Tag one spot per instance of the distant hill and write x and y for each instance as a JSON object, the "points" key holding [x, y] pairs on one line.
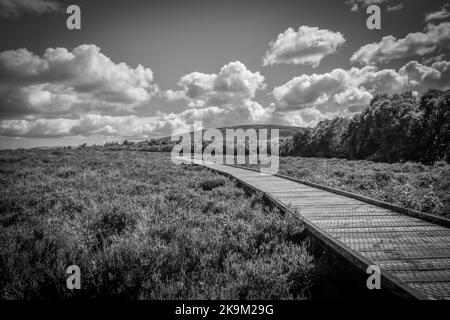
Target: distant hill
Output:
{"points": [[42, 148], [285, 131]]}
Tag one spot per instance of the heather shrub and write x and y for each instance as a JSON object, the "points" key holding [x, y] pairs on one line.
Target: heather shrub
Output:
{"points": [[140, 227]]}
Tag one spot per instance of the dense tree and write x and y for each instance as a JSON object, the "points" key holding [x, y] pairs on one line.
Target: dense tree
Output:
{"points": [[434, 130], [393, 128], [384, 130], [327, 138]]}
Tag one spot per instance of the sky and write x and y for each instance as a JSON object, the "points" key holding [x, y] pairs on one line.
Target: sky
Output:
{"points": [[142, 69]]}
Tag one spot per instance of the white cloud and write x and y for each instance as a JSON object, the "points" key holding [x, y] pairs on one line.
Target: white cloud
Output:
{"points": [[131, 126], [434, 40], [15, 8], [63, 81], [87, 125], [347, 91], [37, 128], [396, 7], [421, 77], [229, 93], [308, 46], [303, 101], [441, 14], [197, 87], [221, 99]]}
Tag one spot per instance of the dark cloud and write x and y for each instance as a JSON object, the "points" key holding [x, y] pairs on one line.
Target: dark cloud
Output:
{"points": [[16, 8]]}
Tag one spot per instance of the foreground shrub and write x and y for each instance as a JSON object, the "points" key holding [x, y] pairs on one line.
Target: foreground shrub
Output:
{"points": [[140, 227], [211, 183]]}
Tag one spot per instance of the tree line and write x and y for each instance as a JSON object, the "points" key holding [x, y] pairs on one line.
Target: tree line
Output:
{"points": [[393, 128]]}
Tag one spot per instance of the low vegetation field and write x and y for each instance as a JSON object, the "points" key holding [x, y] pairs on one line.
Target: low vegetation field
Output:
{"points": [[140, 227]]}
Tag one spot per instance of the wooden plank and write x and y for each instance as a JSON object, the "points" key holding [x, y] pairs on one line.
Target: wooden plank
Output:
{"points": [[435, 289], [331, 225], [319, 202], [380, 246], [438, 242], [339, 215], [425, 276], [303, 192], [415, 264], [403, 229], [322, 216], [318, 198], [302, 202], [295, 188], [443, 235], [404, 255], [362, 220], [348, 210], [274, 185]]}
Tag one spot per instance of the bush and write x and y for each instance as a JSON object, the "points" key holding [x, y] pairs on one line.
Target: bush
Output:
{"points": [[140, 227], [210, 183], [395, 128]]}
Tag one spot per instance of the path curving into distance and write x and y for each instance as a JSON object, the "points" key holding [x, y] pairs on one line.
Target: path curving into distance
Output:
{"points": [[412, 253]]}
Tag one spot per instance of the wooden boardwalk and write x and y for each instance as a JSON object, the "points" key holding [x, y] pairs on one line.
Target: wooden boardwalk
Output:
{"points": [[413, 254]]}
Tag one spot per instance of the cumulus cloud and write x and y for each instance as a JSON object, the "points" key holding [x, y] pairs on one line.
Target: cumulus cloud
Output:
{"points": [[441, 14], [347, 91], [228, 94], [307, 46], [434, 40], [217, 100], [36, 128], [92, 124], [227, 98], [15, 8], [130, 126], [62, 81]]}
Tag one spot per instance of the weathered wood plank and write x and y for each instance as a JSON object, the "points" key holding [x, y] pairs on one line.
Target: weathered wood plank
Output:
{"points": [[392, 219], [436, 242], [414, 264], [437, 290], [427, 276], [406, 255], [380, 246], [352, 224], [391, 229], [347, 210], [398, 234]]}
